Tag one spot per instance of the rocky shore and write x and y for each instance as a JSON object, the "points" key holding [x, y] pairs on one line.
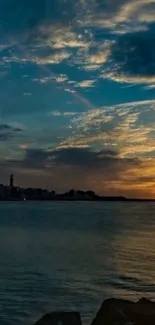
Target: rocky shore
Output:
{"points": [[111, 312]]}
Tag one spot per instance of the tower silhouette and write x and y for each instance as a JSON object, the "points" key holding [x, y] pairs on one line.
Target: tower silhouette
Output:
{"points": [[11, 181]]}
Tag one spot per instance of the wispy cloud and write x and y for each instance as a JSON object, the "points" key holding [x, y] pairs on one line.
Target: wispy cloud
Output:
{"points": [[121, 126], [68, 90], [118, 16], [150, 87], [60, 113], [54, 58], [62, 37], [60, 78], [85, 84], [85, 41]]}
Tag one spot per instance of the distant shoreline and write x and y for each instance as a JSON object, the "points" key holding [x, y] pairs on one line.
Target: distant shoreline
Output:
{"points": [[61, 199], [13, 193]]}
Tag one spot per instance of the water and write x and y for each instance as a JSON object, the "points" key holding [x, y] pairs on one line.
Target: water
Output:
{"points": [[71, 256]]}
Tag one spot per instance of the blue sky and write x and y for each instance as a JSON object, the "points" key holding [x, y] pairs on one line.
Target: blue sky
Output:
{"points": [[77, 84]]}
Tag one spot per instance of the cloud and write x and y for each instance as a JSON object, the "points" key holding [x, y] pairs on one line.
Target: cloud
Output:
{"points": [[85, 84], [118, 17], [73, 145], [54, 58], [131, 59], [62, 37], [70, 113], [61, 78], [94, 118], [60, 113], [82, 40], [150, 87], [141, 11], [83, 157], [70, 27], [7, 132], [84, 168], [24, 146], [91, 67], [43, 80], [70, 90], [128, 127], [55, 113], [101, 170], [44, 19], [102, 55]]}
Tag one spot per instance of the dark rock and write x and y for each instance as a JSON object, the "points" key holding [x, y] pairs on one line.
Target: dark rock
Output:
{"points": [[142, 312], [124, 312], [60, 318], [112, 312], [145, 301]]}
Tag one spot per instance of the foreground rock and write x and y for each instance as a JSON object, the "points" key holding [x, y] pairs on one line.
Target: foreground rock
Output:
{"points": [[112, 312], [124, 312], [60, 318]]}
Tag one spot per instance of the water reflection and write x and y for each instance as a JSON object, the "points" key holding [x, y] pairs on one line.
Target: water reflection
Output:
{"points": [[72, 256], [134, 262]]}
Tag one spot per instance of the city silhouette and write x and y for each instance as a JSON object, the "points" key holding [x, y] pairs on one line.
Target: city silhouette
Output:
{"points": [[11, 192]]}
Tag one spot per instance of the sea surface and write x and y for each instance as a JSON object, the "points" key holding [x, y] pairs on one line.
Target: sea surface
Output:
{"points": [[72, 255]]}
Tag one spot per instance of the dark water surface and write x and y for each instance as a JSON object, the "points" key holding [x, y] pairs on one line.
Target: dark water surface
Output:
{"points": [[71, 256]]}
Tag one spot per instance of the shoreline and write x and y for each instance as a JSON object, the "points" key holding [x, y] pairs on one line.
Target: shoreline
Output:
{"points": [[105, 199]]}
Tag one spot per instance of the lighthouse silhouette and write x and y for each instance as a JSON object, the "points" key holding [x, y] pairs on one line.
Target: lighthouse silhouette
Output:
{"points": [[11, 181]]}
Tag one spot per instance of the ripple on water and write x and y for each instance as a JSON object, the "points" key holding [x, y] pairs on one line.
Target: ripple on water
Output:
{"points": [[72, 256]]}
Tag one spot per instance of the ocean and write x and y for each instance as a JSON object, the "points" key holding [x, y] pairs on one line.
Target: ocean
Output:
{"points": [[72, 256]]}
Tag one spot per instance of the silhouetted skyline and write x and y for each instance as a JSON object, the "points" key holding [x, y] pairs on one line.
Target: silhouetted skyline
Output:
{"points": [[12, 192]]}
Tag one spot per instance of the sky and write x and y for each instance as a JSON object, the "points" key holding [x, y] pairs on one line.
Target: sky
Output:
{"points": [[77, 86]]}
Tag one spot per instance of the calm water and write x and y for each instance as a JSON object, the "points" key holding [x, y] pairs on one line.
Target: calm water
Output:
{"points": [[72, 256]]}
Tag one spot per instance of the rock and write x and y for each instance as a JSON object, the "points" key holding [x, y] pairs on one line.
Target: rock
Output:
{"points": [[142, 312], [111, 312], [124, 312], [60, 318], [146, 301]]}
